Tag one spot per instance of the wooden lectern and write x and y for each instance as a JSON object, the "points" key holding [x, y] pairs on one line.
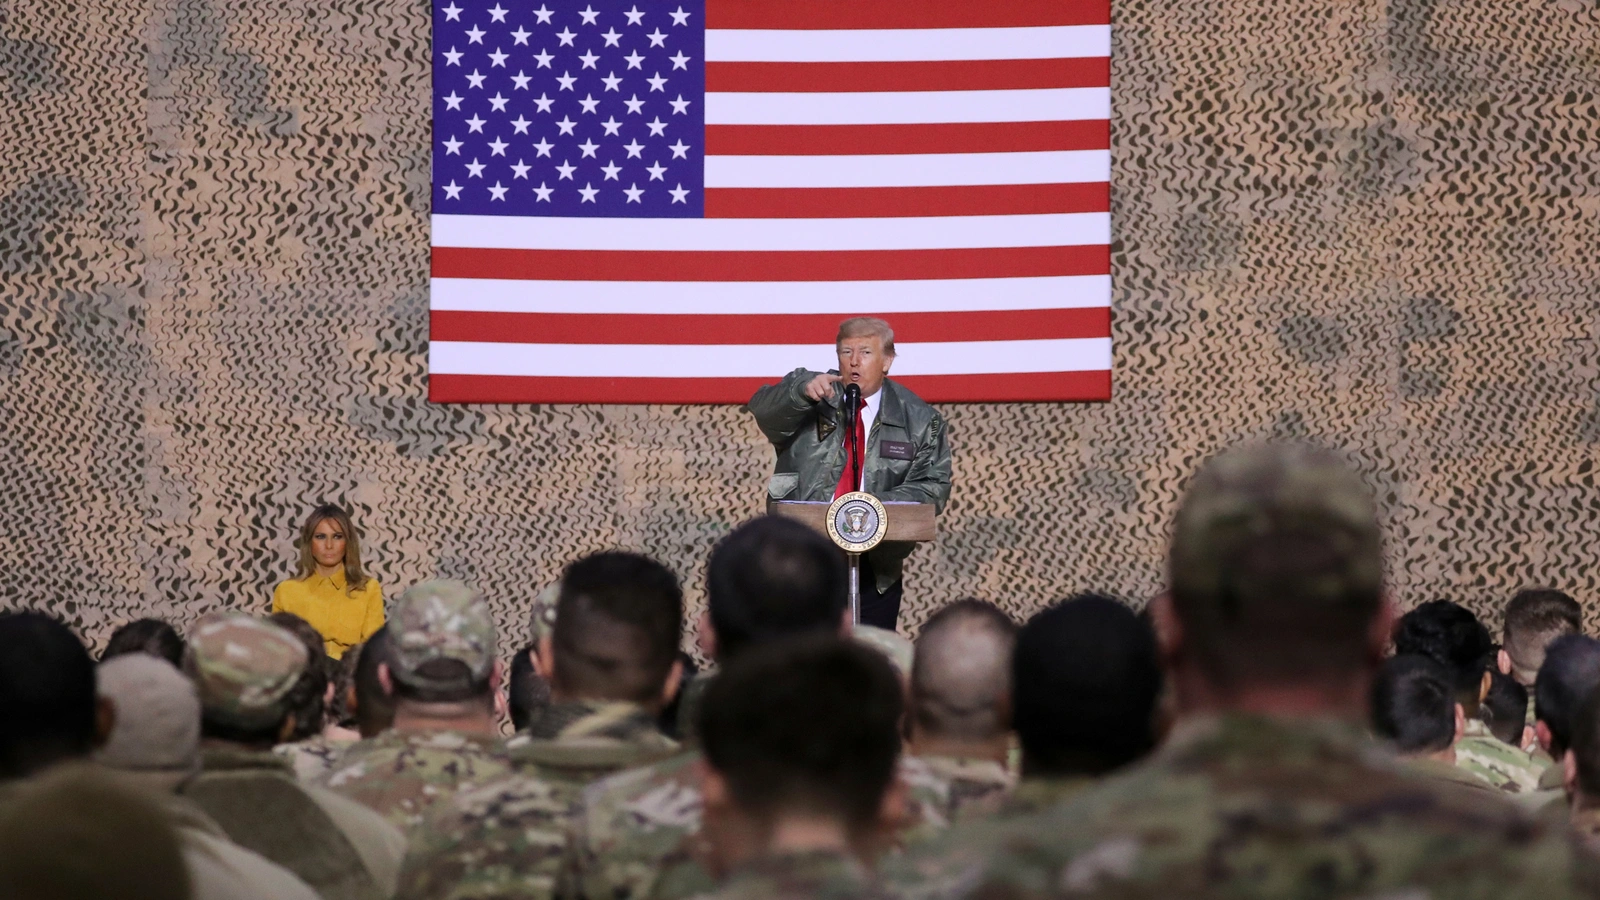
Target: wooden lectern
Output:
{"points": [[902, 521]]}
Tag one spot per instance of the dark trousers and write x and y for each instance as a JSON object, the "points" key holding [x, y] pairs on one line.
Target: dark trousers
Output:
{"points": [[878, 609]]}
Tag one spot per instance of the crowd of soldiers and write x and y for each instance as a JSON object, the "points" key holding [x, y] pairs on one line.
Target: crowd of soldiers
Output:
{"points": [[1267, 727]]}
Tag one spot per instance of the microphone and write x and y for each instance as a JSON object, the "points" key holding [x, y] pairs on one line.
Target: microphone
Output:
{"points": [[852, 407], [852, 399]]}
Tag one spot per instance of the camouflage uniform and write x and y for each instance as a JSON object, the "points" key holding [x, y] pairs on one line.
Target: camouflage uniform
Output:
{"points": [[1586, 823], [638, 833], [1035, 795], [313, 758], [823, 875], [400, 773], [1247, 806], [947, 789], [507, 838], [244, 670], [1511, 769]]}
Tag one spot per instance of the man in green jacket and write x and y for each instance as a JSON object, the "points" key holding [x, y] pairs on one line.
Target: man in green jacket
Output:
{"points": [[903, 449]]}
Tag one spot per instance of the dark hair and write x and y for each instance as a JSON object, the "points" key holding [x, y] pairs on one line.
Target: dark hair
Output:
{"points": [[810, 725], [1086, 681], [1571, 670], [342, 673], [374, 706], [1452, 636], [1413, 704], [308, 698], [961, 672], [1586, 746], [1505, 708], [47, 696], [1533, 619], [619, 618], [149, 636], [528, 692], [772, 578], [670, 721]]}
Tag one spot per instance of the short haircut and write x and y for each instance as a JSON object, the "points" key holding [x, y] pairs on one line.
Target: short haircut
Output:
{"points": [[310, 694], [619, 619], [1533, 619], [343, 676], [772, 578], [1570, 672], [1086, 679], [528, 693], [1586, 746], [1276, 567], [47, 694], [1452, 636], [809, 726], [374, 705], [78, 834], [867, 326], [961, 672], [149, 636], [1413, 704], [1504, 710]]}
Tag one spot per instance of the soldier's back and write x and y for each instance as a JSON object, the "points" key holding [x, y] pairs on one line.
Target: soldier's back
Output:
{"points": [[401, 773], [1255, 807], [815, 875]]}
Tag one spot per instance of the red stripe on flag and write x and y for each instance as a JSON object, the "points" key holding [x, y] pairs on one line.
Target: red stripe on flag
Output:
{"points": [[839, 265], [856, 140], [1026, 387], [963, 75], [966, 200], [813, 14], [929, 327]]}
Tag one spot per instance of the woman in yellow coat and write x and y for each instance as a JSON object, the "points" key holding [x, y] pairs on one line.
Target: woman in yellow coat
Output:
{"points": [[330, 591]]}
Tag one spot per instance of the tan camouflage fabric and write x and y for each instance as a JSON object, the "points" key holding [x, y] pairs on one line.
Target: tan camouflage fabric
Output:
{"points": [[948, 789], [1511, 769], [313, 758], [507, 837], [1251, 807], [1035, 795], [638, 833], [441, 620], [244, 668], [824, 875], [1448, 773], [400, 774]]}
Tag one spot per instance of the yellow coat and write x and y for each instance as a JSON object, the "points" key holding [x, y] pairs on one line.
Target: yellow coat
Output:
{"points": [[343, 619]]}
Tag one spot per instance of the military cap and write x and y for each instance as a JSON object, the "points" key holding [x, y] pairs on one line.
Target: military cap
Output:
{"points": [[244, 668], [1258, 491], [441, 620]]}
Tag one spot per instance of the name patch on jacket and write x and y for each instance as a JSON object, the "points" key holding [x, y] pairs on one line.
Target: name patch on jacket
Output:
{"points": [[897, 450]]}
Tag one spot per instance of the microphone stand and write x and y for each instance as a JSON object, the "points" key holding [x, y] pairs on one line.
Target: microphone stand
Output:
{"points": [[853, 451]]}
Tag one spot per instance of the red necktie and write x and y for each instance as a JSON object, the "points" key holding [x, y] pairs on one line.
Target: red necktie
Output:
{"points": [[853, 451]]}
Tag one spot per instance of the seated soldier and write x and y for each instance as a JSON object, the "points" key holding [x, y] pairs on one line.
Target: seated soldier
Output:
{"points": [[76, 834], [1571, 671], [1504, 712], [961, 709], [528, 692], [149, 636], [1533, 619], [1415, 710], [638, 832], [443, 676], [1581, 770], [47, 701], [374, 704], [612, 663], [798, 775], [1268, 785], [251, 676], [154, 745], [1087, 684], [306, 749]]}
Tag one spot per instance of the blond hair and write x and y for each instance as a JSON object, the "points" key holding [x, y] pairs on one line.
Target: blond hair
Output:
{"points": [[866, 326], [354, 578]]}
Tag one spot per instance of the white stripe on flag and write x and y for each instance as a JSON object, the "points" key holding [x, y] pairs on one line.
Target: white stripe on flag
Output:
{"points": [[909, 107], [908, 44], [733, 298], [908, 170], [757, 360], [907, 233]]}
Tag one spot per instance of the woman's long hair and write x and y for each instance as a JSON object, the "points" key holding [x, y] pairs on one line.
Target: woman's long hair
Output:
{"points": [[354, 578]]}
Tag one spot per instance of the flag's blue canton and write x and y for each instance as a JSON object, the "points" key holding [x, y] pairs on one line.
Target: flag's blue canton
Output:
{"points": [[556, 108]]}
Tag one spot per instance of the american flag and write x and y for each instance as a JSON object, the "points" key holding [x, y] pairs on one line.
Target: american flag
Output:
{"points": [[676, 201]]}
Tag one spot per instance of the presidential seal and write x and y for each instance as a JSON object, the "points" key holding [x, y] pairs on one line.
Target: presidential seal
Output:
{"points": [[857, 522]]}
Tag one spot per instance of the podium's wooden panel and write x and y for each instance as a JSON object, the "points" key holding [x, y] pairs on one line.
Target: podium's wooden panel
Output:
{"points": [[907, 521]]}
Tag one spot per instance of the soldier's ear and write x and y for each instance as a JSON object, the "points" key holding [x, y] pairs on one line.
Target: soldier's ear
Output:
{"points": [[714, 793], [1542, 732], [1461, 724], [1169, 631], [1569, 772], [544, 657], [706, 636], [1483, 686], [385, 679], [1381, 633], [669, 688], [1503, 660], [894, 809], [105, 720], [287, 728]]}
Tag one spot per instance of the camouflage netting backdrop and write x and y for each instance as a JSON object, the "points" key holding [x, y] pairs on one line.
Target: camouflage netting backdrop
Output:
{"points": [[1370, 222]]}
